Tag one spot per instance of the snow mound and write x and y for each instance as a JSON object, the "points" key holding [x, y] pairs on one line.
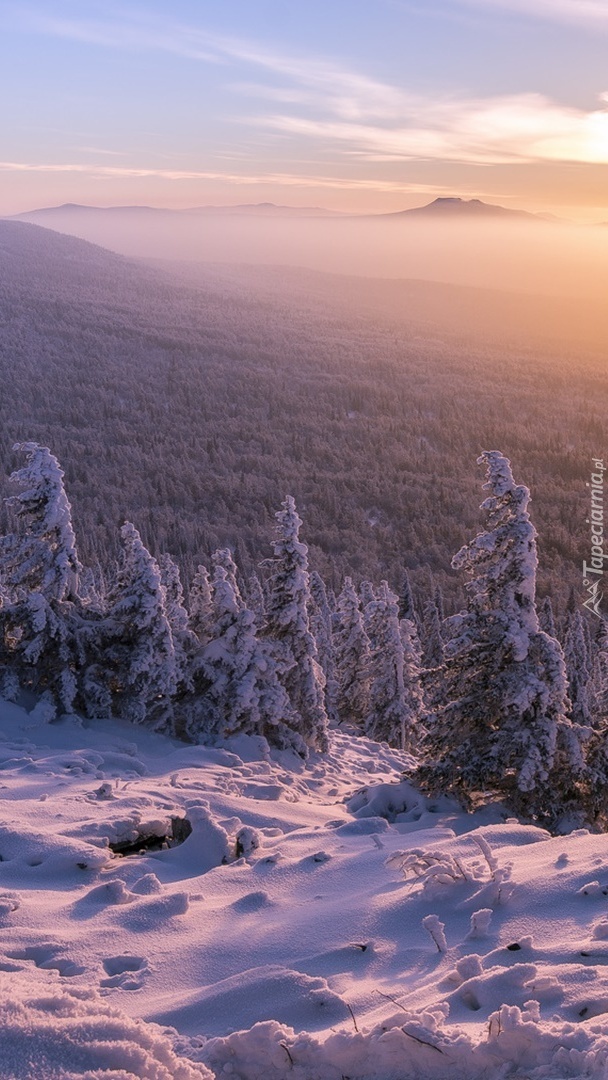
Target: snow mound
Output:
{"points": [[70, 1034], [516, 1045], [260, 994], [348, 928]]}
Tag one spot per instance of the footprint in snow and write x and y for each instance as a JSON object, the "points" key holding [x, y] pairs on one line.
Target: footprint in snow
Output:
{"points": [[124, 972], [319, 857], [45, 959], [589, 1009], [9, 902]]}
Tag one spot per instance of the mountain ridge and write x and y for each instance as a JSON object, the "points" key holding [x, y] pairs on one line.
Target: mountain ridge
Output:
{"points": [[446, 207]]}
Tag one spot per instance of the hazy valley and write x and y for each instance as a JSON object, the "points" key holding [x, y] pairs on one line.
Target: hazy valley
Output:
{"points": [[192, 398]]}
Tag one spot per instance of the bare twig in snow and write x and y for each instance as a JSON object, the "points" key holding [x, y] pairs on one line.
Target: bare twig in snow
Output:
{"points": [[286, 1049], [353, 1016]]}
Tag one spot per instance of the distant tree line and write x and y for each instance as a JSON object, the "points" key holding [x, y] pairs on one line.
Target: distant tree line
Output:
{"points": [[487, 700]]}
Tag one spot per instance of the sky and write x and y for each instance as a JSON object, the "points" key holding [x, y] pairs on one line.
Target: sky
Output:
{"points": [[359, 106]]}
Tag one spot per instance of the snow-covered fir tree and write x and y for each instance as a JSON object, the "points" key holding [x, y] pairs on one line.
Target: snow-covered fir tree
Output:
{"points": [[236, 686], [546, 617], [41, 637], [92, 588], [431, 638], [320, 615], [407, 609], [223, 557], [288, 626], [42, 557], [139, 650], [504, 727], [367, 594], [395, 699], [200, 607], [432, 655], [439, 604], [185, 641], [596, 779], [352, 653], [412, 678], [255, 599], [599, 675], [578, 668], [174, 596]]}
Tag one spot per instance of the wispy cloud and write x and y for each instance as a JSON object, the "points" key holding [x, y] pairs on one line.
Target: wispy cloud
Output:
{"points": [[248, 180], [100, 150], [363, 117], [349, 94], [583, 12], [502, 130]]}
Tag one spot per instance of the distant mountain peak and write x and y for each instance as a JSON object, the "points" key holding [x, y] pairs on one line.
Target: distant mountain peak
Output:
{"points": [[456, 207]]}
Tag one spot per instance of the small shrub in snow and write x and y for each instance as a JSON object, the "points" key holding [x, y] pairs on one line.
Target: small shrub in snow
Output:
{"points": [[440, 869], [248, 840], [480, 924], [429, 867], [436, 929]]}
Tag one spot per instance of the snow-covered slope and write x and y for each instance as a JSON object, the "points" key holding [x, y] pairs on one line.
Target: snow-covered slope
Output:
{"points": [[319, 921]]}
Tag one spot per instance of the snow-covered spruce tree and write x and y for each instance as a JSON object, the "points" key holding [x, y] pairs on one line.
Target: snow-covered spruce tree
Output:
{"points": [[139, 651], [174, 596], [185, 641], [288, 627], [42, 558], [504, 730], [223, 557], [599, 675], [200, 607], [92, 588], [367, 594], [395, 700], [578, 668], [432, 655], [41, 613], [596, 794], [235, 681], [546, 618], [407, 608], [432, 638], [321, 628], [352, 654], [255, 599], [439, 604]]}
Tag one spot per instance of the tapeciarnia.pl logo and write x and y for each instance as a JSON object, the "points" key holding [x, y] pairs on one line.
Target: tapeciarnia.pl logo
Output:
{"points": [[593, 571]]}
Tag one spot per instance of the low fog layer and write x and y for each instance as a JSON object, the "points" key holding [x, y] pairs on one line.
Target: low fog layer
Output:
{"points": [[537, 257]]}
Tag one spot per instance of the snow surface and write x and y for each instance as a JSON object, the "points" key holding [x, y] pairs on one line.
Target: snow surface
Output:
{"points": [[365, 932]]}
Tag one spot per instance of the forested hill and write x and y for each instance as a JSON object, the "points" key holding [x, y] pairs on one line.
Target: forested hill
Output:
{"points": [[192, 405]]}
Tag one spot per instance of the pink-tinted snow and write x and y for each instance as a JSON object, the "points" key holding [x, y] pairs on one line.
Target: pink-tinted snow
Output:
{"points": [[364, 933]]}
